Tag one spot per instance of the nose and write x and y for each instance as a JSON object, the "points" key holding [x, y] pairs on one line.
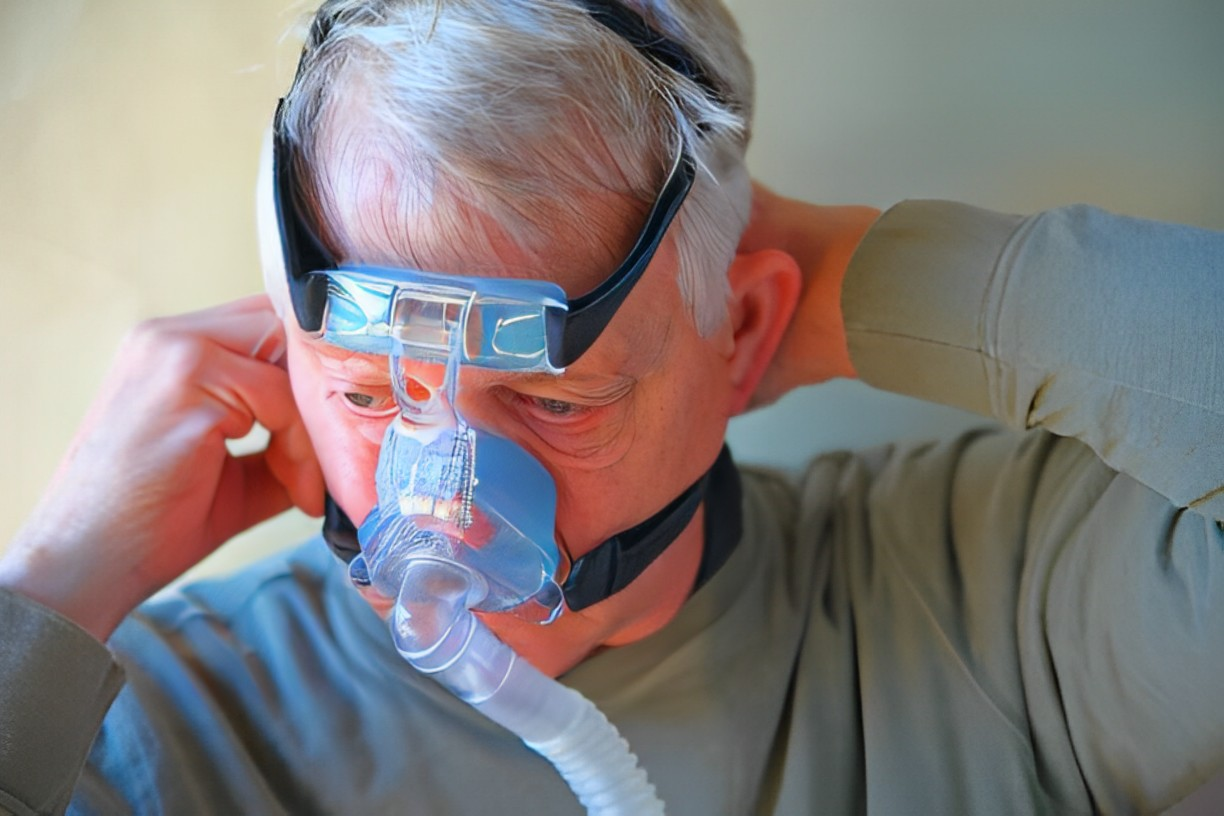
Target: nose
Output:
{"points": [[416, 390], [421, 389]]}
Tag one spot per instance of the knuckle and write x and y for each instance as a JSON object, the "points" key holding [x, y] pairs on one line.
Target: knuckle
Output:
{"points": [[149, 331], [147, 338], [158, 343], [184, 355]]}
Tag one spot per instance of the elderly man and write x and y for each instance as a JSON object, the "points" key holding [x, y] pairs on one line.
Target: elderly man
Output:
{"points": [[1008, 622]]}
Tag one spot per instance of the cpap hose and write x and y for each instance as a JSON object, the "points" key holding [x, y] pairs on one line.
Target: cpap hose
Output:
{"points": [[436, 631]]}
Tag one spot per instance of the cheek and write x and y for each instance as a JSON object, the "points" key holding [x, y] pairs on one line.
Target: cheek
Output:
{"points": [[671, 437], [692, 409], [346, 445]]}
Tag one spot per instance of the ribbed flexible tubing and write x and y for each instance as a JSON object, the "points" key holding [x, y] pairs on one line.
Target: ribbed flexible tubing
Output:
{"points": [[436, 631]]}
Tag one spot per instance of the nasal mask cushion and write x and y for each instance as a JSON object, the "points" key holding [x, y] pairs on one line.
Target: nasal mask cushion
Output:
{"points": [[447, 490]]}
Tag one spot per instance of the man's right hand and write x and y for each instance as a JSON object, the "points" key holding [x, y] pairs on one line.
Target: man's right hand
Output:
{"points": [[821, 239], [148, 487]]}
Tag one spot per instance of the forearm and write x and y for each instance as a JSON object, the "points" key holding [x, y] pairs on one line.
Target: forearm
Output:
{"points": [[821, 239], [54, 574], [1090, 325]]}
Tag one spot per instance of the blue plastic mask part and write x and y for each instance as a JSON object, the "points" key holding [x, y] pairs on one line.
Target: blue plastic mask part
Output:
{"points": [[423, 320], [508, 325], [464, 522], [452, 492]]}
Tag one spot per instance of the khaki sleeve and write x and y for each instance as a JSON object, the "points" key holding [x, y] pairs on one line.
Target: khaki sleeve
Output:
{"points": [[1090, 325], [56, 684], [1091, 574]]}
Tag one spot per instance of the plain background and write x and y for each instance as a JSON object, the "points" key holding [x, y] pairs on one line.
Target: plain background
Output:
{"points": [[129, 132]]}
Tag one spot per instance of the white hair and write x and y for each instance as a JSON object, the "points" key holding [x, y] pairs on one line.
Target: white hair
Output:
{"points": [[503, 119]]}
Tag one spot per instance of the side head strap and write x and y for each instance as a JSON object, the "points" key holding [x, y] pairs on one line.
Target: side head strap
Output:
{"points": [[617, 562]]}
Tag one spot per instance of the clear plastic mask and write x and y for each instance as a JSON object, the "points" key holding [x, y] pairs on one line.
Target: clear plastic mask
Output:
{"points": [[447, 490], [508, 325]]}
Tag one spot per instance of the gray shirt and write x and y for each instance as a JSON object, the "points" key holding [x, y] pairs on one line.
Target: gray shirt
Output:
{"points": [[1008, 622]]}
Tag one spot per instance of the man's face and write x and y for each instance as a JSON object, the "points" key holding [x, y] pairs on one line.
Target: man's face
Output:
{"points": [[623, 431]]}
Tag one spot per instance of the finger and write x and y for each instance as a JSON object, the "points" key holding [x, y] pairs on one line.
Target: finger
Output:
{"points": [[292, 459], [249, 327], [258, 334], [252, 391], [248, 493], [181, 386], [245, 305]]}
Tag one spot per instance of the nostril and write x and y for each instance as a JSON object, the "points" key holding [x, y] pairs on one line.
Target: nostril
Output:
{"points": [[416, 390]]}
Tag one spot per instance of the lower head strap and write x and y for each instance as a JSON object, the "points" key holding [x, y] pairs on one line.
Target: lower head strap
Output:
{"points": [[617, 562], [614, 564]]}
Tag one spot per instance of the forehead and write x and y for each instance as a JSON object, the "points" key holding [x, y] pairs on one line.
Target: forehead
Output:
{"points": [[387, 205]]}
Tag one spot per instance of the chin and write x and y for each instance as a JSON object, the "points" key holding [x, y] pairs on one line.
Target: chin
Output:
{"points": [[553, 648]]}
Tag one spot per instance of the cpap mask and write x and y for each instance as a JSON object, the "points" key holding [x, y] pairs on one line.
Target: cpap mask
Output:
{"points": [[446, 490]]}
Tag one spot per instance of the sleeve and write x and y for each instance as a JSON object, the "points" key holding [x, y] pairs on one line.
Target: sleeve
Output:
{"points": [[1089, 325], [56, 684], [1078, 581]]}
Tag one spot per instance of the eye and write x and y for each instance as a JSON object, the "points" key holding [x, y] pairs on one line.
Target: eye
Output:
{"points": [[551, 411], [365, 403], [556, 407], [360, 400]]}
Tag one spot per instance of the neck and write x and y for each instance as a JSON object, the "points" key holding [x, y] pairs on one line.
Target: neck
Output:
{"points": [[636, 612]]}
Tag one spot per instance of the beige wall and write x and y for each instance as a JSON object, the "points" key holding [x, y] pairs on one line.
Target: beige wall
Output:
{"points": [[1018, 105], [129, 132]]}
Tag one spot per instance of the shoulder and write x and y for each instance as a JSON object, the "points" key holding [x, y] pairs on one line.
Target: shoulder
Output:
{"points": [[297, 572], [987, 486], [289, 607]]}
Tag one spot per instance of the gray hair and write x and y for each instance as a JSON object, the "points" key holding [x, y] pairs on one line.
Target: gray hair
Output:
{"points": [[505, 118]]}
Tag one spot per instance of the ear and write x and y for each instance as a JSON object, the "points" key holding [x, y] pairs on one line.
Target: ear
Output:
{"points": [[765, 287]]}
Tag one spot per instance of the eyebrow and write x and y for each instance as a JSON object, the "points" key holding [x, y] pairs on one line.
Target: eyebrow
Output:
{"points": [[350, 363], [355, 364], [536, 377], [595, 384]]}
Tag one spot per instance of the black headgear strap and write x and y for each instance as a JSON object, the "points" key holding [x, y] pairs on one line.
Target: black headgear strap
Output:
{"points": [[631, 27]]}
